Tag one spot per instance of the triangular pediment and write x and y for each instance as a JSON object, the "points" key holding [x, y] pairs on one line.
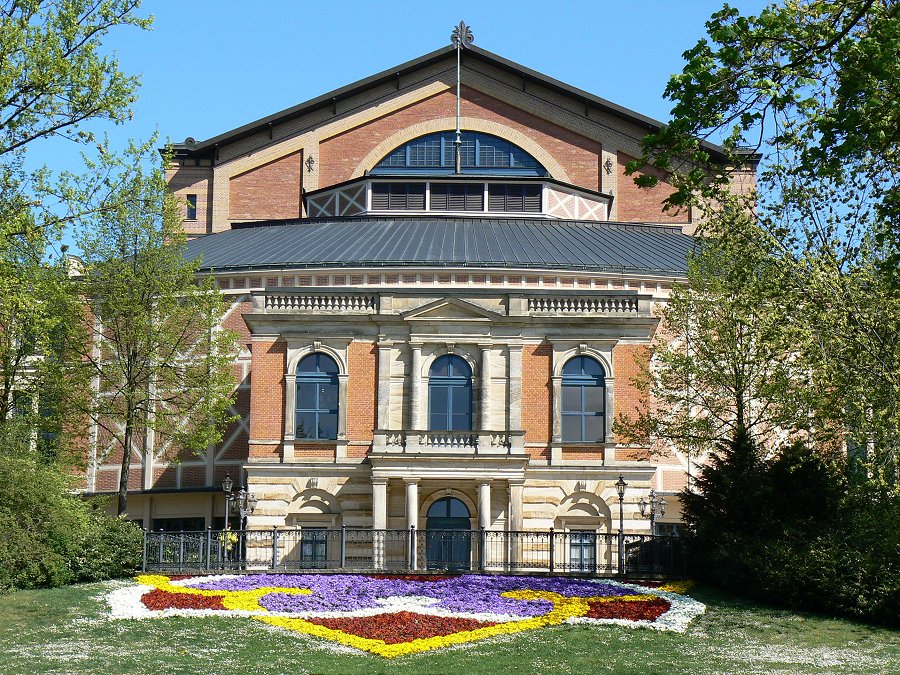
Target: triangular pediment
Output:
{"points": [[450, 309]]}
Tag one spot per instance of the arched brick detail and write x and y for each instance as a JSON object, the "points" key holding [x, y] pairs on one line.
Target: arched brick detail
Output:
{"points": [[503, 131]]}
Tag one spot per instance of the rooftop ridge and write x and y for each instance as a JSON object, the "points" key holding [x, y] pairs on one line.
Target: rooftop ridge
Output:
{"points": [[601, 224]]}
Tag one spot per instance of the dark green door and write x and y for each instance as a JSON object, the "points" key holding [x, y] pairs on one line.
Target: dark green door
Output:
{"points": [[447, 543]]}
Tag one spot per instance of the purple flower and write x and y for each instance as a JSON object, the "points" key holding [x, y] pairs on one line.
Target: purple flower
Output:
{"points": [[464, 593]]}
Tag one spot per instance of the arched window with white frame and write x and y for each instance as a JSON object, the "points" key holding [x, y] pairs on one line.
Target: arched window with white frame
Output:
{"points": [[317, 402], [583, 401]]}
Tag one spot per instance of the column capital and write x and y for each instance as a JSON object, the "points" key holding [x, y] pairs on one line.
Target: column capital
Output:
{"points": [[484, 346], [379, 481], [411, 481], [515, 482]]}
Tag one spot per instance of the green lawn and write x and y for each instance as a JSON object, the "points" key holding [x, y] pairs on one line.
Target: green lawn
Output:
{"points": [[65, 630]]}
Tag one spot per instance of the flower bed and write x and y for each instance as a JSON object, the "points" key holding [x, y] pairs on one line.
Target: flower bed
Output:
{"points": [[394, 615]]}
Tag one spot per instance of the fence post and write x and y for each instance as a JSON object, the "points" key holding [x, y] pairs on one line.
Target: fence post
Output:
{"points": [[621, 553], [551, 551], [144, 566], [413, 558], [180, 550], [159, 559], [208, 546], [482, 547], [343, 546], [274, 547]]}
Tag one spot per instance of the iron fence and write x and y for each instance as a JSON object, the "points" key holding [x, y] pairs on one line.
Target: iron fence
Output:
{"points": [[359, 549]]}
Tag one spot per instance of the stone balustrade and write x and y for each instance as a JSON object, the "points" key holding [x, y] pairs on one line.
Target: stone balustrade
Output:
{"points": [[591, 304], [466, 442], [349, 303]]}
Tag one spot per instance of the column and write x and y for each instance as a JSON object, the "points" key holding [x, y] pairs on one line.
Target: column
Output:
{"points": [[515, 521], [379, 503], [517, 438], [485, 387], [556, 437], [412, 503], [484, 504], [415, 386], [379, 520], [412, 520], [384, 384], [516, 488]]}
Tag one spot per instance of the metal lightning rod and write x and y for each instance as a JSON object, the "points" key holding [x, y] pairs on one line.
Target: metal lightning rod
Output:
{"points": [[461, 38]]}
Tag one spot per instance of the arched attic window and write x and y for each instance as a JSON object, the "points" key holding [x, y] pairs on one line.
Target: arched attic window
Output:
{"points": [[583, 401], [482, 154]]}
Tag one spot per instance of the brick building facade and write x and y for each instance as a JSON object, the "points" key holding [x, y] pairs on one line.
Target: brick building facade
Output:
{"points": [[412, 335]]}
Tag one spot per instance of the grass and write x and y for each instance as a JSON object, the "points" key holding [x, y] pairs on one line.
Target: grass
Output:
{"points": [[65, 630]]}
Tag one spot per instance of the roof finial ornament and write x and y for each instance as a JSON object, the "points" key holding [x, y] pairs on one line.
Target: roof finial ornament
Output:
{"points": [[461, 38]]}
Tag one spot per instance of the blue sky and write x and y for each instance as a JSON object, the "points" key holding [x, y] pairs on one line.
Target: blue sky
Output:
{"points": [[210, 66]]}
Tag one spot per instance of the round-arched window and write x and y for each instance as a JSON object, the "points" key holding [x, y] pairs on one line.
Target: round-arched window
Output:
{"points": [[480, 153], [583, 401], [316, 413], [450, 394]]}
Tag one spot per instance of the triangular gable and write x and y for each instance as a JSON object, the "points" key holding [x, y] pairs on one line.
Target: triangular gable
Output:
{"points": [[333, 98], [450, 309]]}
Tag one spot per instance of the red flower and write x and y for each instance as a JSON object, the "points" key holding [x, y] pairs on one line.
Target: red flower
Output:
{"points": [[158, 599], [401, 626], [637, 610]]}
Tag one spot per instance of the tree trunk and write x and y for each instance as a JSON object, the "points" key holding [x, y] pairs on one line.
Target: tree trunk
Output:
{"points": [[126, 466]]}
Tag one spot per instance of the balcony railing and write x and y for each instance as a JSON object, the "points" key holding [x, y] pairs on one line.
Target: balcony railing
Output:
{"points": [[368, 550], [485, 442]]}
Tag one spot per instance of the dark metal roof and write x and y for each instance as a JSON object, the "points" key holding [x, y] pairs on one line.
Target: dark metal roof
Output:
{"points": [[207, 147], [536, 243]]}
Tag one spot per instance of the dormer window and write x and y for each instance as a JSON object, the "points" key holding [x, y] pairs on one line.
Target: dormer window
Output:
{"points": [[481, 154]]}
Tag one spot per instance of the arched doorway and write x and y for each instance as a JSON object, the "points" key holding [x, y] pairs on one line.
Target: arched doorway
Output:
{"points": [[447, 543]]}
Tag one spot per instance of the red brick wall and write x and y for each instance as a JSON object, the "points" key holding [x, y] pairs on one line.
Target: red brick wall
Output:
{"points": [[579, 156], [195, 476], [185, 180], [362, 390], [538, 453], [268, 191], [633, 454], [627, 361], [235, 322], [581, 453], [641, 205], [267, 396], [537, 392], [358, 451], [316, 450], [674, 481], [164, 477]]}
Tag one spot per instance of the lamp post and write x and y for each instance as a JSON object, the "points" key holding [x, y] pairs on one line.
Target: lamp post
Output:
{"points": [[653, 509], [245, 501], [620, 490]]}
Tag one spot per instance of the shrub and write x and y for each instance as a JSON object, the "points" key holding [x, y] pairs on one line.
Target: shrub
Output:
{"points": [[50, 536], [790, 529]]}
